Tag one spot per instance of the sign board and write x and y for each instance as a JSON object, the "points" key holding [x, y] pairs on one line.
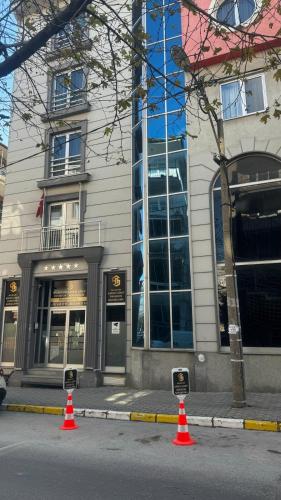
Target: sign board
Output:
{"points": [[70, 378], [233, 329], [115, 327], [12, 291], [180, 382], [116, 287], [69, 293]]}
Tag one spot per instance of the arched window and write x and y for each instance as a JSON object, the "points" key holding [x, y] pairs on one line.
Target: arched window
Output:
{"points": [[255, 187], [235, 12]]}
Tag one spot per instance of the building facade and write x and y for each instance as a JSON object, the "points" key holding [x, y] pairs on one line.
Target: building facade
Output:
{"points": [[121, 273]]}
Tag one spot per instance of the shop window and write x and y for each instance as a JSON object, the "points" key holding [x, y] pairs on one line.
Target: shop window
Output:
{"points": [[68, 89], [160, 330], [243, 97]]}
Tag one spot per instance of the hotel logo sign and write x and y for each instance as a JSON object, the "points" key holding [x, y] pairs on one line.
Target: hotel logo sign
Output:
{"points": [[12, 293], [116, 288]]}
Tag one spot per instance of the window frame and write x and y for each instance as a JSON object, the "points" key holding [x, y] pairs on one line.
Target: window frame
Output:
{"points": [[242, 95], [69, 93]]}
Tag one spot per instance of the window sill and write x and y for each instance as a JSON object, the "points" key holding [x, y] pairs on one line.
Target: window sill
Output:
{"points": [[64, 180], [254, 113], [68, 111]]}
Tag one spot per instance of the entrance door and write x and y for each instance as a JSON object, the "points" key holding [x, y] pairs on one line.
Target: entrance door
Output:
{"points": [[66, 337]]}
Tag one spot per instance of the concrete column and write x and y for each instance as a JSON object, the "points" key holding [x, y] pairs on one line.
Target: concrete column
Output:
{"points": [[24, 314], [91, 347]]}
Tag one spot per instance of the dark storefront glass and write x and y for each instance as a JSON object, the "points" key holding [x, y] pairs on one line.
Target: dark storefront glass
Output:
{"points": [[158, 265], [178, 215], [182, 320], [137, 221], [180, 270], [158, 217], [138, 261], [157, 175], [138, 320], [218, 226], [160, 332], [177, 169]]}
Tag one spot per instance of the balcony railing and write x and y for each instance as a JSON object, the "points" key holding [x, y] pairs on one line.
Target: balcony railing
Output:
{"points": [[62, 237], [68, 99], [65, 166]]}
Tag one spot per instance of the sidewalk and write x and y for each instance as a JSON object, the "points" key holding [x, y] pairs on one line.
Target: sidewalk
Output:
{"points": [[211, 404]]}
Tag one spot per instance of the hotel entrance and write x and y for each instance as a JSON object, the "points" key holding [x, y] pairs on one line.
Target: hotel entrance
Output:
{"points": [[61, 323]]}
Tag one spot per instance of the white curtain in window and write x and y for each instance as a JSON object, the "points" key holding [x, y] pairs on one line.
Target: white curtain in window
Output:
{"points": [[254, 95], [231, 100]]}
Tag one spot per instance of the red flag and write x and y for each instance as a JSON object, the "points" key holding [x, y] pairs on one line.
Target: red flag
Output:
{"points": [[40, 207]]}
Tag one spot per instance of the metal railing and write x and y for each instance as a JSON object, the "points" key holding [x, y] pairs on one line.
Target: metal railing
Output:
{"points": [[65, 166], [68, 99], [47, 238]]}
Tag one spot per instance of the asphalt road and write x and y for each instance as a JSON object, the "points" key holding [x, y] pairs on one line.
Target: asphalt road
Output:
{"points": [[105, 460]]}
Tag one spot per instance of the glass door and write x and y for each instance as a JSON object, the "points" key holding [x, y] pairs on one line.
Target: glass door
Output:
{"points": [[57, 337], [9, 336], [76, 334]]}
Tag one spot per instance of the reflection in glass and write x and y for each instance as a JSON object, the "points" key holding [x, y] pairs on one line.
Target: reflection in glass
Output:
{"points": [[175, 93], [137, 182], [158, 265], [154, 25], [156, 59], [157, 217], [177, 172], [41, 337], [136, 110], [157, 175], [180, 270], [182, 320], [156, 135], [9, 336], [171, 66], [138, 276], [137, 222], [57, 337], [137, 143], [176, 131], [160, 332], [156, 97], [75, 341], [138, 320], [178, 215]]}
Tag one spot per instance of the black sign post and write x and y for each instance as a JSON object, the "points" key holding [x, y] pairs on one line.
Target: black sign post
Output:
{"points": [[180, 382], [70, 379]]}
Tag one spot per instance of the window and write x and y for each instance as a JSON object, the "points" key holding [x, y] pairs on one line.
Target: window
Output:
{"points": [[63, 226], [235, 12], [243, 97], [68, 89], [74, 32], [66, 154]]}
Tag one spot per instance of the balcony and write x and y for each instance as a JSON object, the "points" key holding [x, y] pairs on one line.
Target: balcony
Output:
{"points": [[48, 238]]}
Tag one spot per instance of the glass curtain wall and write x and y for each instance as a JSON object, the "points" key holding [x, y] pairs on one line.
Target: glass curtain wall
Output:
{"points": [[160, 232]]}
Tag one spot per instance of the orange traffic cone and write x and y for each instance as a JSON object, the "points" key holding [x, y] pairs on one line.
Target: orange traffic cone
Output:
{"points": [[69, 422], [183, 437]]}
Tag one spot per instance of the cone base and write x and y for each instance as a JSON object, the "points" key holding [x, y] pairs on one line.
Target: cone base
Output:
{"points": [[72, 428], [189, 441]]}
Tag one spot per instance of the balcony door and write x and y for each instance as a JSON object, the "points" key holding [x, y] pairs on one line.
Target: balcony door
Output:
{"points": [[63, 226], [66, 337]]}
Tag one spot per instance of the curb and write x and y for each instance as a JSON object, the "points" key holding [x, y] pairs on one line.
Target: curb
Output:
{"points": [[230, 423]]}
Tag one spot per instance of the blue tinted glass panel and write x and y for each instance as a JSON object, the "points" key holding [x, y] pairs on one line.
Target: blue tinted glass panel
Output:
{"points": [[172, 21], [177, 169], [137, 143], [171, 66], [137, 72], [138, 277], [74, 144], [59, 146], [246, 9], [157, 175], [182, 320], [153, 4], [61, 84], [77, 79], [156, 97], [137, 222], [160, 330], [176, 131], [136, 110], [137, 182], [226, 13], [175, 93], [156, 135], [158, 265], [218, 226], [138, 320], [154, 25], [157, 217], [178, 215], [155, 54], [231, 100], [180, 269]]}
